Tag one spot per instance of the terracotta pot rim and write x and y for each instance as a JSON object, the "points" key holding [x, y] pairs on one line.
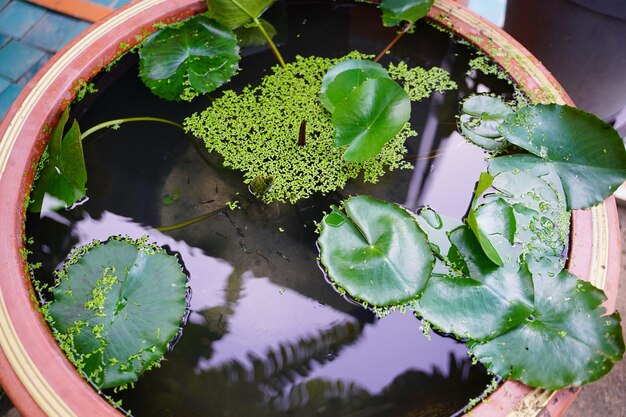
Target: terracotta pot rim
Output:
{"points": [[33, 370]]}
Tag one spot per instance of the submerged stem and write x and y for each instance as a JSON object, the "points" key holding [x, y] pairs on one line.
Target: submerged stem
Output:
{"points": [[394, 41], [270, 42], [191, 221]]}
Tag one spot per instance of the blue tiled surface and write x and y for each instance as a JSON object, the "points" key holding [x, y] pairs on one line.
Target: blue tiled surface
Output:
{"points": [[18, 17], [8, 96], [53, 31], [29, 35], [4, 83], [16, 58]]}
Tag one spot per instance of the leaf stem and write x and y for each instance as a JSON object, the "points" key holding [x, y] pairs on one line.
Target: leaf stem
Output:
{"points": [[394, 41], [191, 221], [117, 122], [270, 42]]}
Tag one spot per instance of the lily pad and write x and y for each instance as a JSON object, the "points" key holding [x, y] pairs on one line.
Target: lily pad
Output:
{"points": [[64, 177], [566, 341], [481, 115], [235, 13], [396, 11], [586, 152], [343, 78], [116, 308], [370, 117], [195, 58], [479, 303], [375, 251]]}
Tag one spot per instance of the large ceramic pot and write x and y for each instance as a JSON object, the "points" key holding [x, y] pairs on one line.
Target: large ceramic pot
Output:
{"points": [[34, 371]]}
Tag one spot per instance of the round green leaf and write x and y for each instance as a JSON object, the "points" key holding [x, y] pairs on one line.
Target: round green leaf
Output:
{"points": [[234, 13], [370, 117], [251, 35], [586, 152], [483, 302], [116, 308], [566, 341], [197, 57], [341, 80], [378, 253], [396, 11], [480, 117]]}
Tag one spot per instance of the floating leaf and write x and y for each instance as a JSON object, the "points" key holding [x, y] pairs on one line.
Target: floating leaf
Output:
{"points": [[251, 35], [375, 251], [567, 341], [481, 302], [370, 117], [586, 152], [64, 176], [480, 117], [234, 13], [343, 78], [396, 11], [197, 57], [116, 308]]}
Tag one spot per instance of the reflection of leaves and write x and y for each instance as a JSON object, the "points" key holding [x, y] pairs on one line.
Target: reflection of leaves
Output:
{"points": [[117, 307], [64, 176], [199, 56], [586, 152]]}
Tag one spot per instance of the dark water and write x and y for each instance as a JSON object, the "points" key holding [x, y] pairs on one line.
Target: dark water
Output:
{"points": [[267, 335]]}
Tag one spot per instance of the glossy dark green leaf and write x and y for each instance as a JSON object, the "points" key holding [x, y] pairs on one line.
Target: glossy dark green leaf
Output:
{"points": [[437, 227], [376, 252], [480, 117], [566, 341], [62, 181], [197, 57], [341, 80], [586, 152], [396, 11], [370, 117], [117, 307], [234, 13], [491, 222], [481, 303], [251, 35]]}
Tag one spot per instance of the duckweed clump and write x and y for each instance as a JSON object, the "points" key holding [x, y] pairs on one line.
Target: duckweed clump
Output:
{"points": [[258, 130]]}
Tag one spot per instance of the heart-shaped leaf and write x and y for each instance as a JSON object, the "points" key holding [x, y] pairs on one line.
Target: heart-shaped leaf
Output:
{"points": [[370, 117], [375, 251], [566, 341], [479, 303], [341, 80], [64, 176], [396, 11], [586, 152], [234, 13], [481, 115], [116, 308], [195, 58]]}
